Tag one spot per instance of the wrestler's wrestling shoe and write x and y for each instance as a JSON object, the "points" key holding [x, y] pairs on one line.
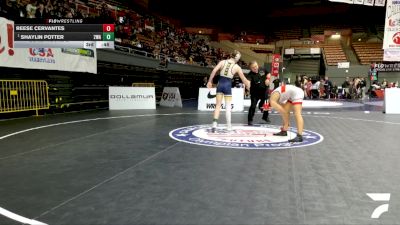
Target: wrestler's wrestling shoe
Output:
{"points": [[214, 127], [298, 138], [281, 133]]}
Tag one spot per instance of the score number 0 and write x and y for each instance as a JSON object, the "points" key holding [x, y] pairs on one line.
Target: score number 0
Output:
{"points": [[108, 32], [108, 27]]}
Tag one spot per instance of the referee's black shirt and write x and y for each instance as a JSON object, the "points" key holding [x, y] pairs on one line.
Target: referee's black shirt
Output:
{"points": [[257, 82]]}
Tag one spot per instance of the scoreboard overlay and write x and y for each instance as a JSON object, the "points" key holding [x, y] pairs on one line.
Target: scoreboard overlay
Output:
{"points": [[64, 33]]}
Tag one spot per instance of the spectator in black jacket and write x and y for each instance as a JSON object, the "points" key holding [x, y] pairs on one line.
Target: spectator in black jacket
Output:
{"points": [[41, 11]]}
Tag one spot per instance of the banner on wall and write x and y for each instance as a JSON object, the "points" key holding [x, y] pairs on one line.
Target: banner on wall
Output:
{"points": [[387, 67], [391, 55], [380, 2], [123, 98], [343, 64], [65, 59], [275, 65], [369, 2], [207, 100], [343, 1], [289, 51], [362, 2], [391, 38]]}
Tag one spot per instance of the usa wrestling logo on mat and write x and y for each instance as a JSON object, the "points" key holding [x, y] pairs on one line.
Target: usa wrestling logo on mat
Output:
{"points": [[243, 137]]}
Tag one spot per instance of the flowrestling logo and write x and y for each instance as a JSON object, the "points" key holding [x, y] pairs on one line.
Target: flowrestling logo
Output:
{"points": [[243, 137]]}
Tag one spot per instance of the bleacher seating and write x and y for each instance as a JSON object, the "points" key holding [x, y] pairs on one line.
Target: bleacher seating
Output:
{"points": [[380, 28], [320, 28], [333, 51], [358, 29], [309, 67], [289, 33], [368, 52], [334, 54]]}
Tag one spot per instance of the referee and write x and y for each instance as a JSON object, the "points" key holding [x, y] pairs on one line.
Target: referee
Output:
{"points": [[258, 92]]}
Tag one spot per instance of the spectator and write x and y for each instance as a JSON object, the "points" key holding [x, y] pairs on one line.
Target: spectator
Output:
{"points": [[346, 88], [315, 89], [375, 86], [49, 7], [363, 85], [41, 11], [321, 89], [69, 15], [31, 9], [384, 84], [328, 87], [334, 91], [16, 10], [204, 83], [298, 82]]}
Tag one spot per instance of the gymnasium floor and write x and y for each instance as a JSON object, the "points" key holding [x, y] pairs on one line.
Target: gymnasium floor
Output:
{"points": [[123, 167]]}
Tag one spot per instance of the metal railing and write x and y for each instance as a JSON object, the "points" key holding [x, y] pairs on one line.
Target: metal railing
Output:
{"points": [[23, 95], [148, 54], [137, 52], [143, 85]]}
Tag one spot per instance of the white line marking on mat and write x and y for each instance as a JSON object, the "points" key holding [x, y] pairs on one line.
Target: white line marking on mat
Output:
{"points": [[65, 142], [24, 220], [19, 218], [108, 179], [34, 222], [89, 120]]}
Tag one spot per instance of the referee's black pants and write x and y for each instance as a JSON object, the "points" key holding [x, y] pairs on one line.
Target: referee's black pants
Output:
{"points": [[255, 98]]}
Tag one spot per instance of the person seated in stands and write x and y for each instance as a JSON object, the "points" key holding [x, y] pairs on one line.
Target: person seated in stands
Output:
{"points": [[31, 9], [14, 11], [41, 11]]}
